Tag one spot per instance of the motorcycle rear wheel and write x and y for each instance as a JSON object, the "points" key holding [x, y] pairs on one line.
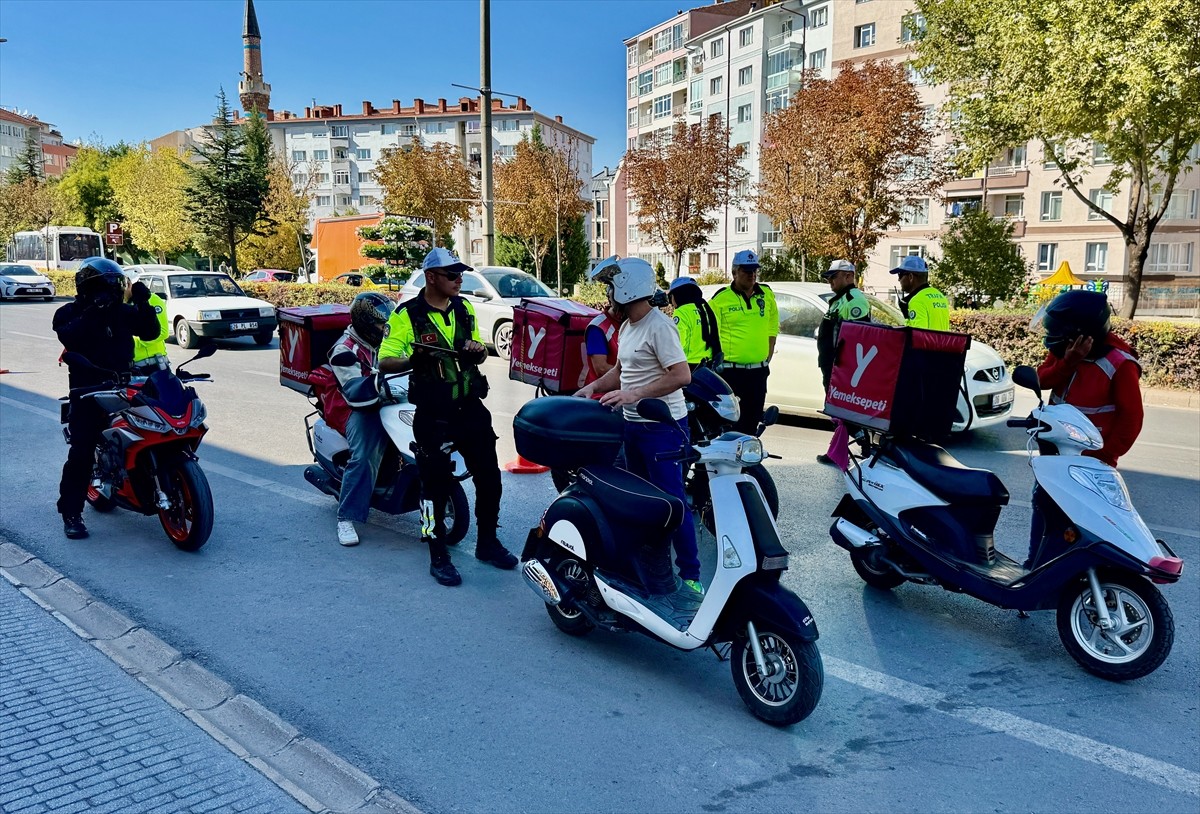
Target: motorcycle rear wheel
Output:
{"points": [[188, 520], [791, 692], [1137, 647], [877, 575], [569, 620]]}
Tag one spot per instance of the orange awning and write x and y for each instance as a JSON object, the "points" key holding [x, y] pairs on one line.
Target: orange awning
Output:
{"points": [[337, 246]]}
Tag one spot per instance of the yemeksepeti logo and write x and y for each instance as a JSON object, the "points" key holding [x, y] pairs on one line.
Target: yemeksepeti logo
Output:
{"points": [[863, 361], [535, 339], [857, 400]]}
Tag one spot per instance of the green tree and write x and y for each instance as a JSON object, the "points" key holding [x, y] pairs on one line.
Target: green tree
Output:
{"points": [[979, 262], [400, 243], [427, 182], [227, 185], [149, 189], [279, 235], [1117, 76], [31, 205], [512, 251], [27, 165]]}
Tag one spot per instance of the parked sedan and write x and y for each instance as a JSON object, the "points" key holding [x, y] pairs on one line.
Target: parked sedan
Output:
{"points": [[204, 305], [21, 282], [795, 381], [493, 291], [270, 276]]}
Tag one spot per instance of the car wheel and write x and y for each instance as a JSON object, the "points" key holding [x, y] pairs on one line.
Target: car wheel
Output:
{"points": [[264, 339], [184, 335], [502, 339]]}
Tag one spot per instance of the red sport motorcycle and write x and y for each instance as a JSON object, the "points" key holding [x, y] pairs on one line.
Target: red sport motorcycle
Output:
{"points": [[146, 459]]}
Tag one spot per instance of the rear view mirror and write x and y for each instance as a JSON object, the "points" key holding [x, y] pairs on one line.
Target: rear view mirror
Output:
{"points": [[655, 410], [1027, 377]]}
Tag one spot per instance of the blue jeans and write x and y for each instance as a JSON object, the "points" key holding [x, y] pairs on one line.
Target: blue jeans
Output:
{"points": [[644, 440], [368, 441]]}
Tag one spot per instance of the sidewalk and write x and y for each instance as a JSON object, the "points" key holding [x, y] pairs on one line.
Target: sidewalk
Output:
{"points": [[1188, 399]]}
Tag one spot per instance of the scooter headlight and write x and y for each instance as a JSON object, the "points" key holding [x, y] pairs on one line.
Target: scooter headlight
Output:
{"points": [[199, 413], [148, 424], [1107, 485], [749, 452], [1081, 436]]}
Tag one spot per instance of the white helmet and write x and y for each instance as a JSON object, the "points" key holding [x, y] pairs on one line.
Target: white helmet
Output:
{"points": [[130, 274], [633, 281]]}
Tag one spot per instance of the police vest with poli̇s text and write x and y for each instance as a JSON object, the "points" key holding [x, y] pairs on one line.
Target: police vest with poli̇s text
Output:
{"points": [[927, 308], [746, 324], [155, 347], [438, 379]]}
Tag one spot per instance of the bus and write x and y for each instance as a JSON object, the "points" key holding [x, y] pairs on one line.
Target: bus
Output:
{"points": [[55, 247]]}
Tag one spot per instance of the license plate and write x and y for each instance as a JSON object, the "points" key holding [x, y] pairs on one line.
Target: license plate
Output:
{"points": [[1000, 399], [243, 326]]}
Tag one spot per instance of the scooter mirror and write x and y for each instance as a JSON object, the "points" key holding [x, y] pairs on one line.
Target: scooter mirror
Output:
{"points": [[770, 416], [655, 410], [1027, 377], [204, 352]]}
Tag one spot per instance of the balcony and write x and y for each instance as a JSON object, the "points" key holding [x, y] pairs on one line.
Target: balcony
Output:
{"points": [[1001, 178], [1017, 222], [785, 79], [785, 39], [961, 185], [772, 238]]}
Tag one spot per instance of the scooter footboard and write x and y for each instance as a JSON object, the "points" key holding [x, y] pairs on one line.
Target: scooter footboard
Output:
{"points": [[765, 601]]}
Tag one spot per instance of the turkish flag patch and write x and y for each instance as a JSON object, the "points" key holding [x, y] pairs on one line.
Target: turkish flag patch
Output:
{"points": [[429, 339]]}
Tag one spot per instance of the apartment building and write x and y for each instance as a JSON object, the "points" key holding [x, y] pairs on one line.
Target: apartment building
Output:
{"points": [[14, 127], [601, 196], [746, 65]]}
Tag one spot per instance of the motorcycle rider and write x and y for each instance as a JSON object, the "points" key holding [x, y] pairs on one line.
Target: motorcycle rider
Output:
{"points": [[436, 335], [696, 323], [150, 356], [369, 314], [100, 326], [651, 364]]}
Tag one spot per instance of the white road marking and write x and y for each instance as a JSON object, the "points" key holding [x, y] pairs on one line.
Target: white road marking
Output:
{"points": [[42, 337], [29, 408], [1110, 757], [260, 373]]}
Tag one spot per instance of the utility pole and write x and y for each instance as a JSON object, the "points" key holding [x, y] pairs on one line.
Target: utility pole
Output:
{"points": [[485, 125]]}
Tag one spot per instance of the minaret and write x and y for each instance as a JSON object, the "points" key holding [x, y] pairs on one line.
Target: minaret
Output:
{"points": [[255, 94]]}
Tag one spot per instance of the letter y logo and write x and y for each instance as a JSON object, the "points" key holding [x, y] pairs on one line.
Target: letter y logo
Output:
{"points": [[863, 361], [535, 339]]}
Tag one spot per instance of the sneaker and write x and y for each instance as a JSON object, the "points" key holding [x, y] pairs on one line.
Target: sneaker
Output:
{"points": [[824, 459], [686, 599], [491, 552], [73, 527], [443, 570], [346, 534], [696, 585]]}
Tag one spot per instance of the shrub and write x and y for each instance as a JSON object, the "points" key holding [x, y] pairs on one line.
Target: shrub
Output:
{"points": [[290, 295], [64, 281], [712, 277]]}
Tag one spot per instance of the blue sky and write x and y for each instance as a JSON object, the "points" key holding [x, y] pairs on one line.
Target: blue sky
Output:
{"points": [[136, 69]]}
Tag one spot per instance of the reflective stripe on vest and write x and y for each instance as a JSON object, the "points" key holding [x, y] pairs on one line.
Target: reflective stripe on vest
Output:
{"points": [[1108, 364], [602, 320]]}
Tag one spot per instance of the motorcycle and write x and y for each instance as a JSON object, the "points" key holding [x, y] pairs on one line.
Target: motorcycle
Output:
{"points": [[588, 558], [915, 514], [398, 485], [146, 461]]}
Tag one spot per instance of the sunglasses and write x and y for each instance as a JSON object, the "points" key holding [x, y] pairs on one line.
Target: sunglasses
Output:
{"points": [[452, 276]]}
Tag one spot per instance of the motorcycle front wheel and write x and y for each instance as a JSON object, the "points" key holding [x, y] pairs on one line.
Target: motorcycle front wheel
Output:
{"points": [[188, 519], [1141, 639], [458, 515], [789, 690]]}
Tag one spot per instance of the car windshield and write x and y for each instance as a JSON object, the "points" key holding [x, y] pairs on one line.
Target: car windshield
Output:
{"points": [[77, 247], [516, 284], [204, 285], [17, 271], [284, 276], [881, 312]]}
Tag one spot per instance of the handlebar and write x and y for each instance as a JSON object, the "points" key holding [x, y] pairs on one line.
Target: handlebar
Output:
{"points": [[1023, 423]]}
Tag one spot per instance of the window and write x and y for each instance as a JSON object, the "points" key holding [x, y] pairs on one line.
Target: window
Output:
{"points": [[900, 252], [631, 56], [1102, 199], [1014, 157], [1051, 206], [743, 148], [915, 77], [715, 84], [916, 214], [365, 178], [743, 188], [816, 60], [320, 155], [714, 260], [776, 100], [1096, 257], [632, 119], [1169, 258], [322, 200], [1182, 205], [298, 178], [957, 206], [508, 125], [746, 37], [367, 200], [506, 151], [633, 87], [746, 75], [1048, 151], [818, 17], [321, 177], [741, 225], [696, 95], [744, 113], [662, 106], [662, 41], [1014, 206], [1100, 154], [631, 234], [912, 26], [341, 177], [645, 82], [864, 35], [299, 155], [797, 316], [662, 75], [1047, 255], [362, 153], [408, 129], [716, 48], [435, 127], [338, 131], [344, 200], [340, 153]]}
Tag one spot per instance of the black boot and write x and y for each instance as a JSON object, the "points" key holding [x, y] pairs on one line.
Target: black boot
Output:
{"points": [[489, 550], [73, 527], [440, 566]]}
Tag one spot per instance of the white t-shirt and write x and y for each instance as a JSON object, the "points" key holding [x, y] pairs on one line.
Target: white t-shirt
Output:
{"points": [[647, 348]]}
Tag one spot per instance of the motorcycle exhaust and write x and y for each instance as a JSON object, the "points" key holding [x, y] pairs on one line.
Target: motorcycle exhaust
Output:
{"points": [[540, 580], [318, 478], [849, 536]]}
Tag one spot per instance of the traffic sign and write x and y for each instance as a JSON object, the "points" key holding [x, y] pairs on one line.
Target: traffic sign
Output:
{"points": [[113, 234]]}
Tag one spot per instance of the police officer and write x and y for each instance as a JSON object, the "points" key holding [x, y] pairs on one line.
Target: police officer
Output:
{"points": [[100, 326], [748, 323], [696, 323], [848, 303], [923, 305], [435, 335], [150, 356]]}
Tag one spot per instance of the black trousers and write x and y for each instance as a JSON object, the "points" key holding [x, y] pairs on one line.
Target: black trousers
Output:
{"points": [[468, 425], [750, 386], [85, 423]]}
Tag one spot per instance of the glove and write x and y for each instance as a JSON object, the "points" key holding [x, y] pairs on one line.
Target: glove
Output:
{"points": [[139, 293]]}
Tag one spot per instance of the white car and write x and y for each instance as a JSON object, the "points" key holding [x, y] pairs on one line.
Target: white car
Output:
{"points": [[492, 291], [203, 305], [795, 381], [22, 282]]}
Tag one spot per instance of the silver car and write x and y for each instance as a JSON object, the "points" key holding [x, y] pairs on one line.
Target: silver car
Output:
{"points": [[492, 292], [795, 382], [19, 281]]}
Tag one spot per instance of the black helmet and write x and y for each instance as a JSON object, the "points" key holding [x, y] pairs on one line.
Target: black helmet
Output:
{"points": [[1073, 314], [709, 393], [100, 281], [368, 314]]}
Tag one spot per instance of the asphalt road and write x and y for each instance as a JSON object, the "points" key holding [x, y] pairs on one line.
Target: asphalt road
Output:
{"points": [[468, 699]]}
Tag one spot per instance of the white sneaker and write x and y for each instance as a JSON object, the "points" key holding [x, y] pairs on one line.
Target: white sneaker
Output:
{"points": [[346, 533]]}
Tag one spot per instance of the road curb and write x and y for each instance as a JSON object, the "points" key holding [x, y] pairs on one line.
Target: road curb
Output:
{"points": [[1184, 399], [306, 770]]}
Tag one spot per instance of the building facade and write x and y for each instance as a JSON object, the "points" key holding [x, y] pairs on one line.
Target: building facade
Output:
{"points": [[54, 154]]}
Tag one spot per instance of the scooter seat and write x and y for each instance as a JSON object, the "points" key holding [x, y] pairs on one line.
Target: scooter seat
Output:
{"points": [[631, 501], [942, 473]]}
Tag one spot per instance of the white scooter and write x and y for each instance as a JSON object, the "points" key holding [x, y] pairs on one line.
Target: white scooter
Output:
{"points": [[599, 544], [914, 513]]}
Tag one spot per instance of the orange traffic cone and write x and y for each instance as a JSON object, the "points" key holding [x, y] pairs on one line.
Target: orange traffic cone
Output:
{"points": [[523, 467]]}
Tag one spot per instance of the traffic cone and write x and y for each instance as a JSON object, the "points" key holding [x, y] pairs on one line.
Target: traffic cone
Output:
{"points": [[523, 467]]}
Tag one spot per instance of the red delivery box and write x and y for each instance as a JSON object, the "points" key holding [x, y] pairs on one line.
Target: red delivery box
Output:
{"points": [[548, 348], [902, 381], [306, 333]]}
